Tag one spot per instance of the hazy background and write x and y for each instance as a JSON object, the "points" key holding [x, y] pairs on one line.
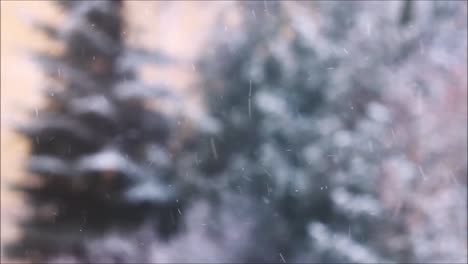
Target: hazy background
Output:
{"points": [[432, 129]]}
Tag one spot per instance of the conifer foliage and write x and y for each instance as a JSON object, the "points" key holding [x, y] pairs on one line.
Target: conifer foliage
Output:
{"points": [[300, 92], [100, 153]]}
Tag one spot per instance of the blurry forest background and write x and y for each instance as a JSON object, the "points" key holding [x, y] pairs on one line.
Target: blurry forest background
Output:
{"points": [[319, 131]]}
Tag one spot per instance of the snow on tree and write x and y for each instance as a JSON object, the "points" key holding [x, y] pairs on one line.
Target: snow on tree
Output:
{"points": [[101, 154], [302, 93]]}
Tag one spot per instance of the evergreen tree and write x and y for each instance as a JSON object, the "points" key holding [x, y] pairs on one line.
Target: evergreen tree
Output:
{"points": [[101, 154], [304, 128]]}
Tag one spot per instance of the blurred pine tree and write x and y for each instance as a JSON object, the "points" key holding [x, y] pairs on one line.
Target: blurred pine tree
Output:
{"points": [[100, 153], [299, 97]]}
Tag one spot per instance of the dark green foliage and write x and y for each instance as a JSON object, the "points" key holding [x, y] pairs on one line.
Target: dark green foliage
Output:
{"points": [[304, 128], [102, 156], [291, 136]]}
